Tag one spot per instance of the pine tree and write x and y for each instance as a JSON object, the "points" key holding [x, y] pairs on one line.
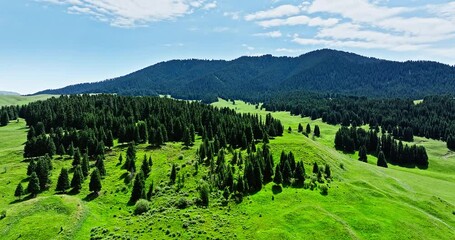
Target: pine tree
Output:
{"points": [[61, 150], [138, 188], [85, 165], [300, 128], [76, 157], [78, 179], [109, 139], [150, 192], [145, 167], [278, 179], [33, 185], [71, 150], [328, 173], [4, 119], [186, 139], [173, 174], [95, 181], [100, 166], [308, 128], [31, 167], [315, 168], [363, 154], [287, 173], [381, 160], [19, 191], [42, 170], [63, 182], [299, 174], [317, 132]]}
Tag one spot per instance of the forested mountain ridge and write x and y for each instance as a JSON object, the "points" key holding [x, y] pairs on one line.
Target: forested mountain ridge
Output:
{"points": [[254, 78]]}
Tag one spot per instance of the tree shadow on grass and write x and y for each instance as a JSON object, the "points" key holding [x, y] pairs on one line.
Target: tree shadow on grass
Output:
{"points": [[277, 189], [73, 192], [26, 198], [91, 196]]}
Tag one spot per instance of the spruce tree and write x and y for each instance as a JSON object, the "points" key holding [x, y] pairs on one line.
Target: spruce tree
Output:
{"points": [[109, 139], [61, 150], [308, 128], [33, 185], [317, 132], [85, 165], [42, 171], [381, 160], [299, 174], [71, 150], [63, 182], [278, 178], [76, 157], [315, 168], [100, 166], [138, 188], [186, 139], [4, 119], [145, 167], [328, 173], [31, 167], [363, 154], [78, 179], [19, 191], [95, 181], [150, 192], [173, 174], [300, 128]]}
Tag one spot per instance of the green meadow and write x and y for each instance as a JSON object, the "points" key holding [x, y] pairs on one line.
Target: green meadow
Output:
{"points": [[6, 100], [363, 202]]}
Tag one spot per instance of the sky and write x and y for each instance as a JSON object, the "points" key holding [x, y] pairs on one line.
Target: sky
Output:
{"points": [[47, 44]]}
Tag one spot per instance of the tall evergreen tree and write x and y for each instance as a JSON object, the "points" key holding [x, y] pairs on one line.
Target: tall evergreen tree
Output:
{"points": [[78, 179], [138, 188], [308, 128], [19, 191], [317, 132], [31, 167], [315, 167], [173, 174], [300, 128], [100, 166], [76, 157], [95, 181], [4, 119], [145, 167], [381, 160], [363, 154], [278, 178], [85, 165], [109, 139], [33, 185], [63, 182], [150, 192]]}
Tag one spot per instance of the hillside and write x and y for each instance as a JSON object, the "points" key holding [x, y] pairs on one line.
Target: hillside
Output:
{"points": [[8, 100], [364, 201], [8, 93], [254, 78]]}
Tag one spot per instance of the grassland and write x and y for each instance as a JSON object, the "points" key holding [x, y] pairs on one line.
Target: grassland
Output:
{"points": [[364, 201], [21, 100]]}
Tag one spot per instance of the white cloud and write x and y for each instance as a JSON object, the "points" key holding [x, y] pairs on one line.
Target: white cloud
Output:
{"points": [[233, 15], [273, 34], [281, 11], [250, 48], [298, 20], [122, 13]]}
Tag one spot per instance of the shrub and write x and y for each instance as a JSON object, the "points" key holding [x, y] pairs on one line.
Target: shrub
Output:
{"points": [[204, 192], [182, 203], [3, 214], [141, 207], [324, 189]]}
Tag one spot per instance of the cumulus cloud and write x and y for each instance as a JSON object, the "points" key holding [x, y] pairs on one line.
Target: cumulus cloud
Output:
{"points": [[280, 11], [133, 13], [273, 34], [298, 20]]}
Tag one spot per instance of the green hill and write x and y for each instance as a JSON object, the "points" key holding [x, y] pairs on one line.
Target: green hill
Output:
{"points": [[363, 201], [7, 100]]}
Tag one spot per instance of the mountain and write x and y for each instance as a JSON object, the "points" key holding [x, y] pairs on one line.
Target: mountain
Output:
{"points": [[7, 93], [255, 78]]}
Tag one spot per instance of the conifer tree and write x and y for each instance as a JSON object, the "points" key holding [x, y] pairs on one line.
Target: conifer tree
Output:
{"points": [[19, 191], [4, 119], [95, 181], [308, 128], [100, 166], [109, 139], [363, 154], [85, 165], [76, 157], [61, 150], [120, 159], [315, 168], [71, 150], [33, 185], [381, 160], [78, 179], [300, 128], [173, 174], [299, 174], [150, 192], [42, 170], [187, 140], [31, 167], [63, 182], [145, 167], [317, 132], [328, 173], [278, 178], [138, 188]]}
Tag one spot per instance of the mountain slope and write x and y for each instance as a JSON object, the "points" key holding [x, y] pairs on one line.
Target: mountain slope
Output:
{"points": [[253, 78]]}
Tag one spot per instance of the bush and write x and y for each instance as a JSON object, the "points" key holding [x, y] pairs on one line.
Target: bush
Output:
{"points": [[324, 189], [141, 207], [3, 214], [182, 203], [204, 192]]}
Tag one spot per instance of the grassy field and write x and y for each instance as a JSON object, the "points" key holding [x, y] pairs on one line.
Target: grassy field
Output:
{"points": [[21, 100], [364, 201]]}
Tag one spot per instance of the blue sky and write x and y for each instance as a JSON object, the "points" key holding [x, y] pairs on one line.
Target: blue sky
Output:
{"points": [[53, 43]]}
